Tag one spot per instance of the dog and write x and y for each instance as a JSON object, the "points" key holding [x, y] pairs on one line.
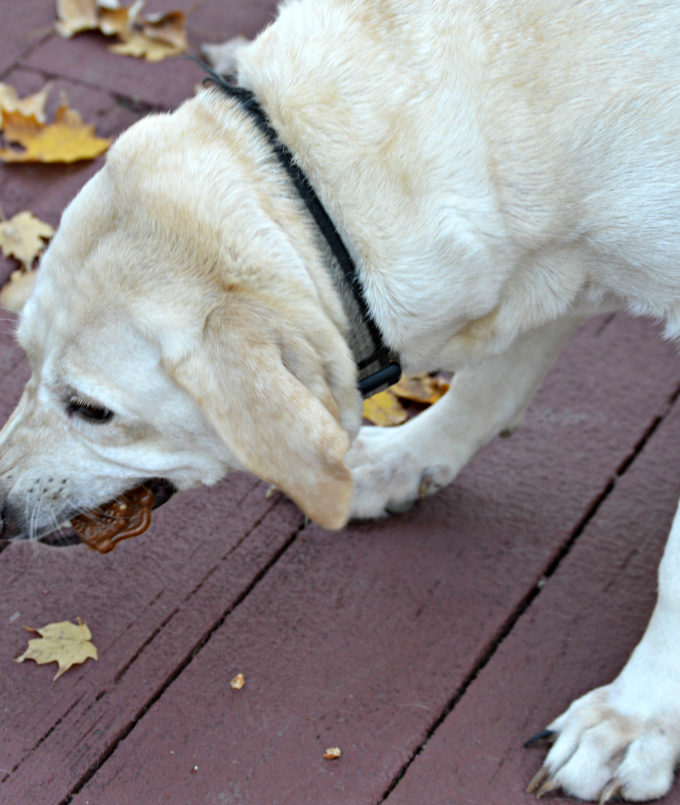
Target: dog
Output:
{"points": [[496, 172]]}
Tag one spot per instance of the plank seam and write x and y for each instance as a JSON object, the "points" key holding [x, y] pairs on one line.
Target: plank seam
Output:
{"points": [[533, 593], [188, 659]]}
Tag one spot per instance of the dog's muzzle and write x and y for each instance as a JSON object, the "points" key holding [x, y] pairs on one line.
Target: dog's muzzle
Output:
{"points": [[162, 490]]}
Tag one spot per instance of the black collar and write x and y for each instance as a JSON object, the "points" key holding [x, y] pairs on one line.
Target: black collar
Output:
{"points": [[378, 367]]}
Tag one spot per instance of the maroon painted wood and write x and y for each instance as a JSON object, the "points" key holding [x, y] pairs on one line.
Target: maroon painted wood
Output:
{"points": [[576, 635]]}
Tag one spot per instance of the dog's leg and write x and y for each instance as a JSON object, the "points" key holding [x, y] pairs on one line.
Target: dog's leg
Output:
{"points": [[624, 738], [393, 467]]}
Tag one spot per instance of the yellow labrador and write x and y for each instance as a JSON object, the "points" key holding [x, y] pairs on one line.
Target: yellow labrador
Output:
{"points": [[496, 171]]}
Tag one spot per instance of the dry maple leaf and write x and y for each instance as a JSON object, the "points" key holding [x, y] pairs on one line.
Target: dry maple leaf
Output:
{"points": [[22, 237], [65, 643], [162, 36], [142, 47], [67, 139], [76, 16], [30, 105], [422, 388], [116, 21], [154, 37], [384, 409], [106, 16]]}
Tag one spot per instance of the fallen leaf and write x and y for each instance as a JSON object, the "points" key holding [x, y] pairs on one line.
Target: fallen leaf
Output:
{"points": [[65, 643], [168, 28], [30, 105], [116, 21], [154, 37], [161, 36], [76, 16], [18, 289], [67, 139], [422, 388], [22, 237], [384, 409], [143, 47]]}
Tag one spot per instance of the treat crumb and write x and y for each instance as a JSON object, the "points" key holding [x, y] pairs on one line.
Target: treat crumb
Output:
{"points": [[238, 682], [332, 753]]}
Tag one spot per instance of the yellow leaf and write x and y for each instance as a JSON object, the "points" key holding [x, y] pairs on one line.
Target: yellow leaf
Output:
{"points": [[76, 16], [22, 237], [107, 16], [65, 643], [167, 28], [30, 105], [116, 21], [422, 388], [16, 292], [144, 47], [154, 37], [68, 139], [384, 409]]}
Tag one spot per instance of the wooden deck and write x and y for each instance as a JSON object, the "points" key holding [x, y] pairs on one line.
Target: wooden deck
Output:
{"points": [[427, 647]]}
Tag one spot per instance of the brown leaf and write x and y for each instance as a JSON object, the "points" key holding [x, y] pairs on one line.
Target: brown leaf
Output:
{"points": [[421, 388], [154, 37], [142, 47], [65, 643], [68, 139], [117, 21], [384, 409], [76, 16], [22, 237], [167, 28]]}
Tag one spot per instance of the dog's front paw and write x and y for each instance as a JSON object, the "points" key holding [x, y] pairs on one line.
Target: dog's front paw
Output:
{"points": [[606, 747], [388, 474]]}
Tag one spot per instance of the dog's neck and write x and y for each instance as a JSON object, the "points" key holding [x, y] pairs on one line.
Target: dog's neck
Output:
{"points": [[377, 366]]}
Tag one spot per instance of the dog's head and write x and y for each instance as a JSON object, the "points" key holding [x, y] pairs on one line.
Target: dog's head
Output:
{"points": [[181, 327]]}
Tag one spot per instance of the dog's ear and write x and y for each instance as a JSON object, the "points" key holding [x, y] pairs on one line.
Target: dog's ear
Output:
{"points": [[248, 379]]}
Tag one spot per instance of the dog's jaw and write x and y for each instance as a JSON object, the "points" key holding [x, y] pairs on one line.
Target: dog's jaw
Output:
{"points": [[65, 534]]}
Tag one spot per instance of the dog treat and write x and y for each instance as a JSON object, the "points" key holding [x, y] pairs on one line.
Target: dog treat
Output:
{"points": [[332, 753], [238, 682], [127, 516]]}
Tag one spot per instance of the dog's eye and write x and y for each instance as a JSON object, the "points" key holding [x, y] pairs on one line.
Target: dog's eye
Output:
{"points": [[87, 411]]}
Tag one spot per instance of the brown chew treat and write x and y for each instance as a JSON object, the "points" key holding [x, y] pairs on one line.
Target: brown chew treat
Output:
{"points": [[119, 519]]}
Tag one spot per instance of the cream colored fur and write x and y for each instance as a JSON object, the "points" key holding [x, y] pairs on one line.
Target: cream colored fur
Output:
{"points": [[499, 171]]}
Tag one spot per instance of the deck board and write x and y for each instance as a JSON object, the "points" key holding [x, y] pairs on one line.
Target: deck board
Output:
{"points": [[575, 635]]}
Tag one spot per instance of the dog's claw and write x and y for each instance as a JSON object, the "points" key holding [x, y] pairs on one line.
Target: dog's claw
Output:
{"points": [[611, 791], [544, 736], [429, 483], [538, 780], [548, 785]]}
